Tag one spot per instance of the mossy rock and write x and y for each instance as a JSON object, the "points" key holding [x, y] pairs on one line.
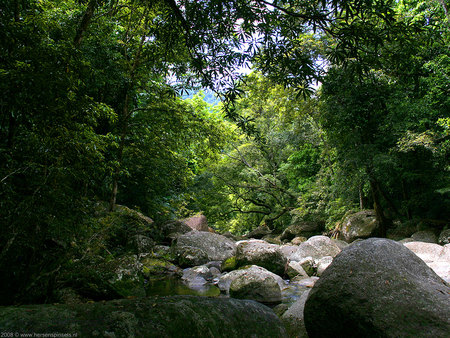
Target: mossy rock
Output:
{"points": [[229, 264], [175, 316], [154, 267]]}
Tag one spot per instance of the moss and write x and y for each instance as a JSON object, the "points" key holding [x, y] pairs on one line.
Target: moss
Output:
{"points": [[229, 264]]}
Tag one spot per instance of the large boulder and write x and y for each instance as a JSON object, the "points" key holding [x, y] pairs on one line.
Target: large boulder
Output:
{"points": [[262, 254], [215, 246], [253, 271], [435, 256], [173, 229], [378, 288], [362, 224], [259, 232], [197, 222], [175, 316], [264, 289], [315, 247], [302, 229]]}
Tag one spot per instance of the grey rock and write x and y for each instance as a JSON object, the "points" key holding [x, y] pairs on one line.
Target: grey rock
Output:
{"points": [[259, 232], [215, 246], [295, 269], [188, 256], [322, 264], [437, 257], [424, 236], [302, 229], [253, 270], [362, 224], [256, 287], [262, 254], [378, 288], [175, 316], [315, 247]]}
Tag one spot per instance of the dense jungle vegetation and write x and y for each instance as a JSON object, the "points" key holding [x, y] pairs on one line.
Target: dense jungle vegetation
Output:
{"points": [[347, 106]]}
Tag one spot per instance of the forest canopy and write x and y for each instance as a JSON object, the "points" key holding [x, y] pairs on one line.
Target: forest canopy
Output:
{"points": [[347, 107]]}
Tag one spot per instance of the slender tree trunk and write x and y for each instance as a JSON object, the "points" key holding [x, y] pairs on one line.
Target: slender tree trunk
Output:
{"points": [[405, 198], [125, 115], [382, 221], [85, 21], [361, 197]]}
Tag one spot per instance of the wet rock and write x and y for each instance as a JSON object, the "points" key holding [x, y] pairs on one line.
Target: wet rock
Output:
{"points": [[378, 288]]}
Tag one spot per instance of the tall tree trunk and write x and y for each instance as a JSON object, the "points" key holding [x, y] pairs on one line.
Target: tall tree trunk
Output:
{"points": [[382, 220], [125, 115], [84, 24], [361, 197]]}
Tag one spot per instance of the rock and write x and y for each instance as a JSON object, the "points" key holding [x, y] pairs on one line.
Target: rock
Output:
{"points": [[378, 288], [340, 244], [298, 240], [435, 256], [216, 247], [139, 244], [308, 265], [444, 237], [262, 254], [264, 289], [197, 222], [308, 282], [322, 264], [190, 256], [302, 229], [229, 264], [253, 270], [315, 247], [175, 316], [295, 269], [288, 250], [293, 318], [197, 276], [362, 224], [229, 235], [259, 232], [272, 239], [424, 236], [155, 267], [173, 229]]}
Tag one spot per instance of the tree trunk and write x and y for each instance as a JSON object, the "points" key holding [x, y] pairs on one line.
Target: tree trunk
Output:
{"points": [[361, 197], [382, 221], [84, 23]]}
